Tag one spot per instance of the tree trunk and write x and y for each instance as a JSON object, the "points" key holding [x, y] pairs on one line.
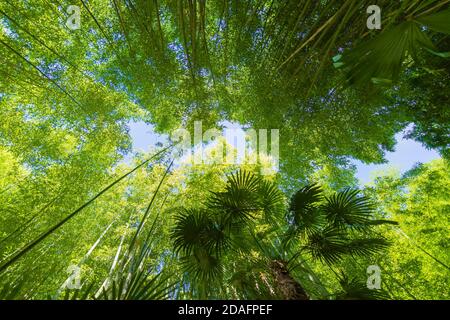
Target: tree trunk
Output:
{"points": [[285, 284]]}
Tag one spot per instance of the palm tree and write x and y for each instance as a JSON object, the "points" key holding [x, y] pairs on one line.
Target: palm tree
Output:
{"points": [[247, 236]]}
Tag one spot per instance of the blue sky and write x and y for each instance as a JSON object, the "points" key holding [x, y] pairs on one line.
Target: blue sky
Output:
{"points": [[407, 152]]}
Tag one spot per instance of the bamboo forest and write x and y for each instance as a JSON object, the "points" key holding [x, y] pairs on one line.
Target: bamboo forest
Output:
{"points": [[224, 150]]}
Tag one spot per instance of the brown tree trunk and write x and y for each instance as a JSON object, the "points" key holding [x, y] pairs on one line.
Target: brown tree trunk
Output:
{"points": [[286, 285]]}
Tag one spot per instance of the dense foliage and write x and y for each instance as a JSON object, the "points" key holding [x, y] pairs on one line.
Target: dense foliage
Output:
{"points": [[158, 227]]}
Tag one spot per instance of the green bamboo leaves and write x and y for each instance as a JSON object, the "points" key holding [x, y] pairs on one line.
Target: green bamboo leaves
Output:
{"points": [[5, 264]]}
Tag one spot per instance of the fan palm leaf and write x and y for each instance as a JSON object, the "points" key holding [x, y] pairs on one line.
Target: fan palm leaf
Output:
{"points": [[246, 197], [195, 229], [437, 22], [271, 199], [366, 247], [304, 213], [348, 209], [328, 245], [142, 285], [202, 265], [380, 59], [354, 289]]}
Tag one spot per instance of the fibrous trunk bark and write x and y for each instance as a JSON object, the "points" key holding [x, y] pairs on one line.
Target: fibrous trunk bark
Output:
{"points": [[286, 285]]}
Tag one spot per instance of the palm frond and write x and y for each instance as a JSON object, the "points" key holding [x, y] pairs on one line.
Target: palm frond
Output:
{"points": [[382, 221], [331, 244], [271, 199], [234, 207], [83, 293], [365, 247], [380, 59], [437, 22], [303, 210], [347, 209], [195, 229], [243, 180], [140, 285], [202, 266], [240, 201], [328, 245], [354, 289]]}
